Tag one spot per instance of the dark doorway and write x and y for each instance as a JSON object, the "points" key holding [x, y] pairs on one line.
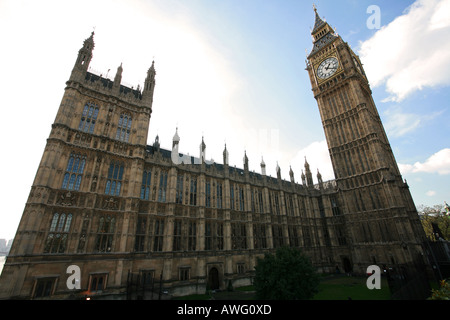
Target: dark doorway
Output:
{"points": [[213, 279], [347, 265]]}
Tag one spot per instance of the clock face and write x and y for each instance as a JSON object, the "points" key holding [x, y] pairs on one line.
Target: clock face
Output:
{"points": [[327, 68]]}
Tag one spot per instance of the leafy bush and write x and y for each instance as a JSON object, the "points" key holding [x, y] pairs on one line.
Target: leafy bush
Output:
{"points": [[287, 275], [443, 293]]}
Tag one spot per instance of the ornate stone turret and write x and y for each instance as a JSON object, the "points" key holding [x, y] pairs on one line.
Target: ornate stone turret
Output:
{"points": [[149, 85], [84, 59], [263, 167]]}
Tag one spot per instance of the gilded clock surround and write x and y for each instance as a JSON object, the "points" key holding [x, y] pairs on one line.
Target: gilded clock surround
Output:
{"points": [[337, 72]]}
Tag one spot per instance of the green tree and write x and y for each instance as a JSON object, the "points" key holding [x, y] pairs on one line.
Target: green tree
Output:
{"points": [[432, 219], [287, 275]]}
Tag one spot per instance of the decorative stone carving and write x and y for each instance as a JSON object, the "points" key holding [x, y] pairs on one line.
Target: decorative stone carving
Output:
{"points": [[66, 199]]}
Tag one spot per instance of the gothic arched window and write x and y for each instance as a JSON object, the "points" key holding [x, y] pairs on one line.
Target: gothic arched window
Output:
{"points": [[74, 172], [105, 234], [59, 229], [123, 128], [146, 182], [114, 182], [88, 118]]}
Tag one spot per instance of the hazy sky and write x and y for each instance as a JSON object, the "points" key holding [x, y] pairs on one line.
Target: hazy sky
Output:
{"points": [[233, 72]]}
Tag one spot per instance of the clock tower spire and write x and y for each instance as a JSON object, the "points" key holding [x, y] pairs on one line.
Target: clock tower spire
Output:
{"points": [[377, 203]]}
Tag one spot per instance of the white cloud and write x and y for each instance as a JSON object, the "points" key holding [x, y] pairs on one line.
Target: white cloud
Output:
{"points": [[437, 163], [412, 52], [399, 123], [430, 193]]}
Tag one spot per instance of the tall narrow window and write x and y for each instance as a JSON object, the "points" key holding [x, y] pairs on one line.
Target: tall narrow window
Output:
{"points": [[158, 235], [162, 186], [114, 182], [57, 237], [260, 200], [241, 199], [208, 194], [177, 235], [105, 234], [74, 172], [238, 236], [231, 196], [146, 182], [219, 233], [219, 196], [88, 118], [334, 206], [270, 202], [192, 240], [213, 236], [123, 128], [141, 230], [293, 236], [193, 192], [277, 204], [253, 206], [179, 191], [208, 236], [277, 236], [259, 236]]}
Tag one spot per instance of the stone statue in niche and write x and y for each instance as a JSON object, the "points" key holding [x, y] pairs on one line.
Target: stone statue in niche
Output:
{"points": [[94, 184]]}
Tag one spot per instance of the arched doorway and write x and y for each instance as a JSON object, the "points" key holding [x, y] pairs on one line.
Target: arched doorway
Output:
{"points": [[347, 265], [213, 278]]}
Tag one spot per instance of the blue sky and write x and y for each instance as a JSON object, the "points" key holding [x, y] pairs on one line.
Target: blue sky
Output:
{"points": [[232, 72]]}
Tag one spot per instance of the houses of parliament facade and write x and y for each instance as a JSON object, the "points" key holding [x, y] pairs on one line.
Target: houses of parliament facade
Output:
{"points": [[119, 209]]}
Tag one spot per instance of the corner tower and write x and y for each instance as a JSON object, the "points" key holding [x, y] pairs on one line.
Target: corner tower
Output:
{"points": [[382, 220], [89, 172]]}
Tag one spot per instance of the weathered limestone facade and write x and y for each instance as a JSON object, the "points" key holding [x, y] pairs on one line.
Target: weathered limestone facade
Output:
{"points": [[119, 209]]}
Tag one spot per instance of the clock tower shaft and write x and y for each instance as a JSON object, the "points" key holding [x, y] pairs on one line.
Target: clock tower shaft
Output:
{"points": [[379, 210]]}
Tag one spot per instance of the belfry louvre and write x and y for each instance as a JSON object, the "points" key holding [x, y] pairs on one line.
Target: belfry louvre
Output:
{"points": [[119, 209]]}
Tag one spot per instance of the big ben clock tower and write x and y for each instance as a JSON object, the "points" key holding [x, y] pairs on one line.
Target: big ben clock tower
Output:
{"points": [[380, 214]]}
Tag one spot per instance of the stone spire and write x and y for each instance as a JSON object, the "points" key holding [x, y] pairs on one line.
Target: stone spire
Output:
{"points": [[308, 174], [278, 171], [245, 161], [318, 23], [202, 151], [263, 167], [225, 155]]}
